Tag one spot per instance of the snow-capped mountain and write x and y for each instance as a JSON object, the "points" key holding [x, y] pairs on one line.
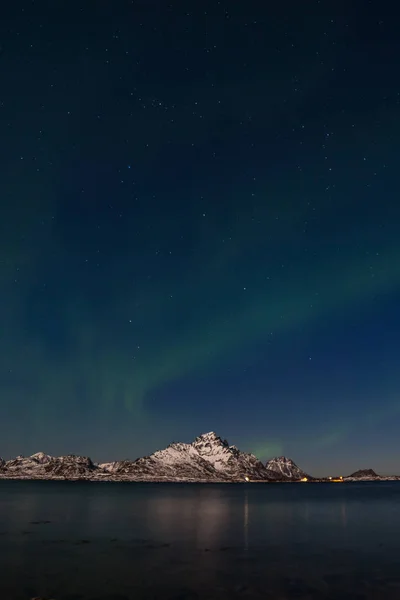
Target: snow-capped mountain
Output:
{"points": [[286, 467], [229, 459], [43, 466], [207, 458], [27, 465]]}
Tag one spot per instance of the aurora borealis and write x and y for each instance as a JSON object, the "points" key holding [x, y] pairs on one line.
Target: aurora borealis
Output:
{"points": [[200, 230]]}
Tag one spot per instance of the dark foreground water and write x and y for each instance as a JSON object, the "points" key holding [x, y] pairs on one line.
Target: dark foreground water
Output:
{"points": [[66, 540]]}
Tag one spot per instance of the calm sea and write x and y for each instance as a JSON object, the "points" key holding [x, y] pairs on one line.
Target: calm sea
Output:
{"points": [[67, 540]]}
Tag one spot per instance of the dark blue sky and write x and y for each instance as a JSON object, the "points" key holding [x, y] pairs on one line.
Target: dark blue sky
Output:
{"points": [[200, 219]]}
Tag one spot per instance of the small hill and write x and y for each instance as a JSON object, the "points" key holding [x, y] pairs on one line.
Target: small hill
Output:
{"points": [[364, 473]]}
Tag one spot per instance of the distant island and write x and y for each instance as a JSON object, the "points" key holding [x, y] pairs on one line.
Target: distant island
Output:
{"points": [[207, 459]]}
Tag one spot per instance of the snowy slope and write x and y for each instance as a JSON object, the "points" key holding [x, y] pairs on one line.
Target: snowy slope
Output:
{"points": [[177, 461], [108, 466]]}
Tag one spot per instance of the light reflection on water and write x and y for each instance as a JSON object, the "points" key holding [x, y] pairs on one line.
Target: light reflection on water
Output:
{"points": [[287, 538], [199, 517], [246, 520]]}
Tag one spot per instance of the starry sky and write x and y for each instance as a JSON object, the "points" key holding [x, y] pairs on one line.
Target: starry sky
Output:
{"points": [[200, 229]]}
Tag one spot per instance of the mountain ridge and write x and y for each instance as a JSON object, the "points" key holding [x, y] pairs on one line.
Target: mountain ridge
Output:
{"points": [[209, 458]]}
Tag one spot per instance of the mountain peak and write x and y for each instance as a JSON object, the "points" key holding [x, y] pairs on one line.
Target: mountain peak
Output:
{"points": [[41, 457], [210, 436], [210, 439], [286, 467]]}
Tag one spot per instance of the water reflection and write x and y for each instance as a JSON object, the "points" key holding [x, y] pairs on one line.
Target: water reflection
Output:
{"points": [[246, 520], [198, 516], [204, 537], [343, 514]]}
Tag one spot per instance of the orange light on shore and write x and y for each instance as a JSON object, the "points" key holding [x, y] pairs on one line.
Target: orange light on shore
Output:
{"points": [[304, 479], [247, 479]]}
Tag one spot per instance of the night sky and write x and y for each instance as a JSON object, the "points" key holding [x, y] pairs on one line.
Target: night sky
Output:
{"points": [[200, 229]]}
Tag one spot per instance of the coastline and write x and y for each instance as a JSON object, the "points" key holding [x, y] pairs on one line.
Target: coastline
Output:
{"points": [[188, 480]]}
